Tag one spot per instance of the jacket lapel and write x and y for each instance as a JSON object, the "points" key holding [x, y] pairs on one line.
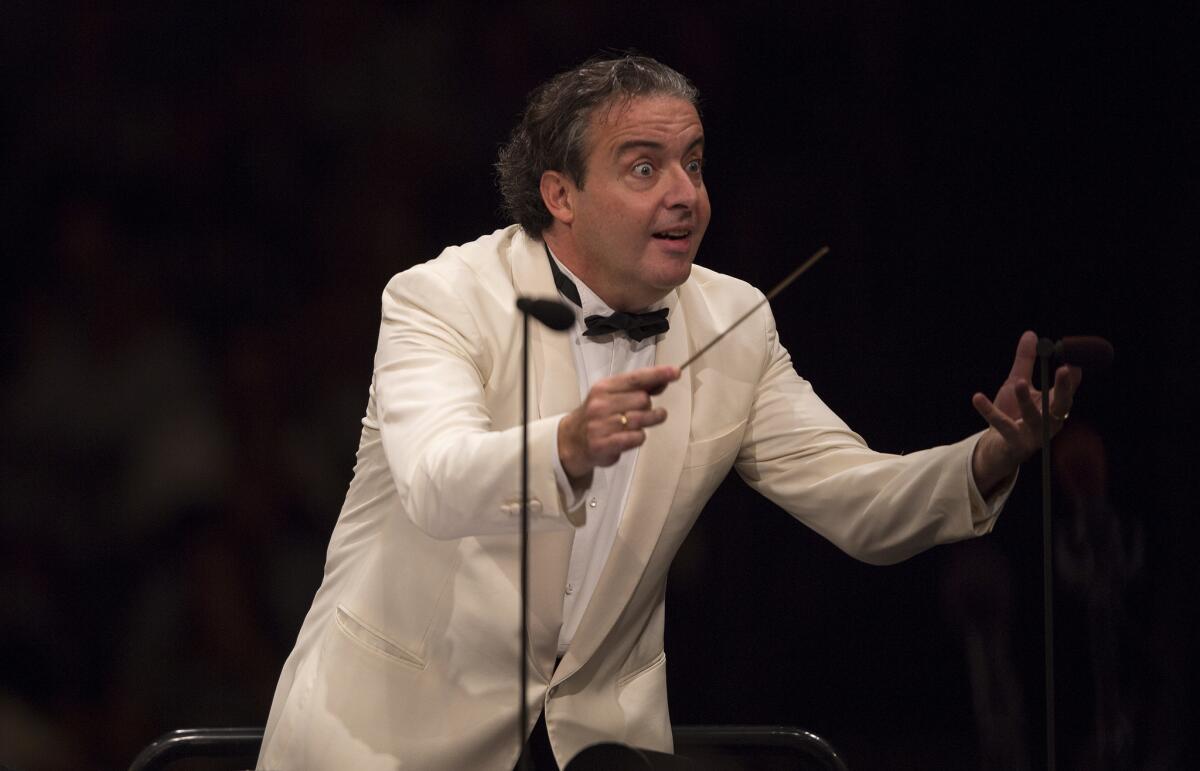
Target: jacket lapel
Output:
{"points": [[655, 476], [554, 390], [555, 383]]}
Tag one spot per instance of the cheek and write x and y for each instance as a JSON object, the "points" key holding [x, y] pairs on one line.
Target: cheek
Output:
{"points": [[639, 213], [622, 216], [703, 207]]}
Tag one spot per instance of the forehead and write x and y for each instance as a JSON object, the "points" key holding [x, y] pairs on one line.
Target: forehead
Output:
{"points": [[655, 119]]}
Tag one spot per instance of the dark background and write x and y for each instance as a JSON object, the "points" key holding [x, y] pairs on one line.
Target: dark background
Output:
{"points": [[200, 204]]}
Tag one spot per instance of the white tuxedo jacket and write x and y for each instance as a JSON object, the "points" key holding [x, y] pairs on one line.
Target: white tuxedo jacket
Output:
{"points": [[408, 656]]}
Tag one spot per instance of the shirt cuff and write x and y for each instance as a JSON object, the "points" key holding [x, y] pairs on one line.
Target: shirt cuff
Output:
{"points": [[570, 497], [984, 510]]}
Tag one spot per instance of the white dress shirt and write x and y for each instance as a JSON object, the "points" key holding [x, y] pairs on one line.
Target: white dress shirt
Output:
{"points": [[604, 501]]}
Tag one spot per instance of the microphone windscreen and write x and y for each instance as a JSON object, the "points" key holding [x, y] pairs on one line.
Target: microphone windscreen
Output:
{"points": [[552, 313], [1085, 351]]}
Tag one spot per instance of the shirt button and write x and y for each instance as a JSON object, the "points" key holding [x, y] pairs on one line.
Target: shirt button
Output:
{"points": [[570, 588], [592, 503]]}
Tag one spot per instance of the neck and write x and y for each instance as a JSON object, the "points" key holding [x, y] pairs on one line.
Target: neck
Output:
{"points": [[615, 296]]}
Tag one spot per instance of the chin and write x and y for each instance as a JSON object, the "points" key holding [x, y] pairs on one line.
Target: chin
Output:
{"points": [[674, 275]]}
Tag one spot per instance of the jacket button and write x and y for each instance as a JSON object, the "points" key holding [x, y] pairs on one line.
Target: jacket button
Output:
{"points": [[535, 506]]}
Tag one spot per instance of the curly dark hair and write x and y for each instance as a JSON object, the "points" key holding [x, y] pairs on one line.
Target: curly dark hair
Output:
{"points": [[551, 134]]}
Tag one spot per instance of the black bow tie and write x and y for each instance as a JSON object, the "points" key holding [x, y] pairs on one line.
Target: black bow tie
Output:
{"points": [[638, 326]]}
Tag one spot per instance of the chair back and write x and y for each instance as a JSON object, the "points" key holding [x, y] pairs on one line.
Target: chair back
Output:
{"points": [[724, 747], [238, 746]]}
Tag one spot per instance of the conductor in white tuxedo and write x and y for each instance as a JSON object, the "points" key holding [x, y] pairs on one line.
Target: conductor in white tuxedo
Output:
{"points": [[409, 654]]}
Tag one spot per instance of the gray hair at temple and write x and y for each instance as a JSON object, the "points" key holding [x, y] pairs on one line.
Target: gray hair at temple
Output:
{"points": [[551, 134]]}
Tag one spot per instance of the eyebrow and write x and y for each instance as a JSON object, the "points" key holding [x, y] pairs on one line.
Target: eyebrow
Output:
{"points": [[652, 145]]}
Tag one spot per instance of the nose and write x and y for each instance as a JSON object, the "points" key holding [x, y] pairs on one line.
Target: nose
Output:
{"points": [[681, 189]]}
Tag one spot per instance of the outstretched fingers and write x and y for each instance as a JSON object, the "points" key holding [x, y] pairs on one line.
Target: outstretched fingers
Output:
{"points": [[995, 417], [1022, 366], [1016, 418], [1062, 395], [1031, 412]]}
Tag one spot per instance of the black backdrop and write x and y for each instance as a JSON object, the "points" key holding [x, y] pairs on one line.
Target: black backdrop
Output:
{"points": [[201, 203]]}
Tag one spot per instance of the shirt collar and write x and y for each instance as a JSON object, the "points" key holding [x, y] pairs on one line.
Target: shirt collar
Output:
{"points": [[590, 302]]}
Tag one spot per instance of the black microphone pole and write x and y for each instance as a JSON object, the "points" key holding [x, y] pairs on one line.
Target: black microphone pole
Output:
{"points": [[1044, 353], [521, 654], [1086, 351], [558, 317]]}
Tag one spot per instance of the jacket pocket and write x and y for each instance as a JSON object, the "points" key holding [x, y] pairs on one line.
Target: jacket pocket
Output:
{"points": [[374, 641], [706, 452], [646, 668]]}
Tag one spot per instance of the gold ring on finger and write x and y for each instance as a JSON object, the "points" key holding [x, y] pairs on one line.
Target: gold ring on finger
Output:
{"points": [[624, 420], [1061, 418]]}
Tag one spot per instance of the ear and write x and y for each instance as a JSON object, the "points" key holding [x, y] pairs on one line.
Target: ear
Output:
{"points": [[558, 193]]}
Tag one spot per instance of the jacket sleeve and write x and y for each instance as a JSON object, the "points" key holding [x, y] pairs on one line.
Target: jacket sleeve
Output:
{"points": [[455, 472], [877, 507]]}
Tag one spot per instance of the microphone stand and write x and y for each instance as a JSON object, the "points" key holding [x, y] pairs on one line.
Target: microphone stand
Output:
{"points": [[522, 715], [1080, 351], [558, 317], [1045, 350]]}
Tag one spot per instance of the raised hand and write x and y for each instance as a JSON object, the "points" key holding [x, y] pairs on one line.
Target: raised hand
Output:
{"points": [[1015, 417]]}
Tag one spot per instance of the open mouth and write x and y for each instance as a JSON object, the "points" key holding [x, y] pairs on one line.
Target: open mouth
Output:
{"points": [[673, 235]]}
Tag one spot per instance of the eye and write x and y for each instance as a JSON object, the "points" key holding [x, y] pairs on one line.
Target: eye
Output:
{"points": [[642, 169], [695, 166]]}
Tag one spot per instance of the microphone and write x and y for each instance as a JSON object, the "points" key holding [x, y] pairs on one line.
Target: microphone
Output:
{"points": [[1086, 351], [552, 313]]}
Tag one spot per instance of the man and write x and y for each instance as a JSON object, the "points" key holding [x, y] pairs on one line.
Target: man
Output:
{"points": [[409, 654]]}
